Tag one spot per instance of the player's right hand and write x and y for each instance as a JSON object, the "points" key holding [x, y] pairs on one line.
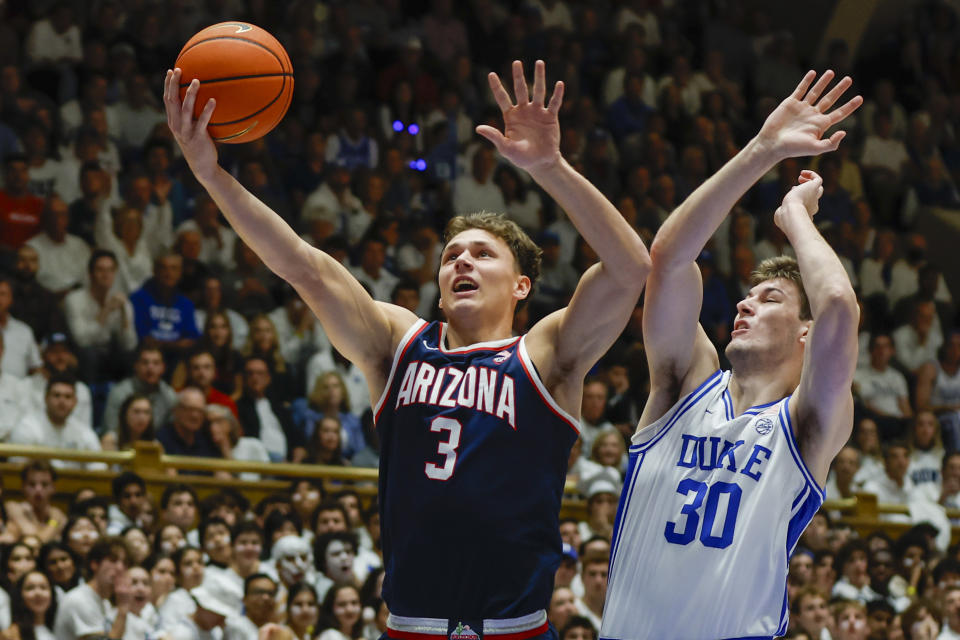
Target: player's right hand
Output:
{"points": [[191, 133], [805, 193]]}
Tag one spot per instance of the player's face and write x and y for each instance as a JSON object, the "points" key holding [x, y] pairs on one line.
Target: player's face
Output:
{"points": [[768, 320], [478, 271]]}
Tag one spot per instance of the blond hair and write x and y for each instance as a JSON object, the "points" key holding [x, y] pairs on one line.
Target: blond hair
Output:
{"points": [[525, 251]]}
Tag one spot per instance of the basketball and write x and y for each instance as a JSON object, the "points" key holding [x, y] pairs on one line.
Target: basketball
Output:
{"points": [[246, 70]]}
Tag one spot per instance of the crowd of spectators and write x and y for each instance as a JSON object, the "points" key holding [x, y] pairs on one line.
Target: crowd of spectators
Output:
{"points": [[131, 311]]}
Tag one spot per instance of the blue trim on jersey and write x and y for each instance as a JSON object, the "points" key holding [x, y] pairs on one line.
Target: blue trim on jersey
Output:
{"points": [[634, 462], [692, 398], [757, 408], [810, 499], [737, 638], [728, 403], [787, 425]]}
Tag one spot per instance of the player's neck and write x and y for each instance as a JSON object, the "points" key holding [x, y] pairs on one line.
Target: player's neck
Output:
{"points": [[463, 333], [758, 388]]}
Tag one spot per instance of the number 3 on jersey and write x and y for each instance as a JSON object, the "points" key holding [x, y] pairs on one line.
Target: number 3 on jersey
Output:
{"points": [[691, 509], [446, 448]]}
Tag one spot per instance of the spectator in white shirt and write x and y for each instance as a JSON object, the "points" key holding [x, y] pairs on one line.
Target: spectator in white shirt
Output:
{"points": [[918, 341], [371, 272], [926, 449], [477, 191], [946, 491], [100, 320], [218, 242], [63, 255], [593, 573], [121, 232], [882, 388], [56, 39], [894, 486], [88, 611], [59, 359], [13, 396], [841, 483], [53, 427], [20, 354]]}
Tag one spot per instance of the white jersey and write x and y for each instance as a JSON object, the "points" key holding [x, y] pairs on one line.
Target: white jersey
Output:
{"points": [[711, 510]]}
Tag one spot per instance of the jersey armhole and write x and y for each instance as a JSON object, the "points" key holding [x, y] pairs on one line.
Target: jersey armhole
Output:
{"points": [[534, 376], [787, 425], [656, 429], [415, 329]]}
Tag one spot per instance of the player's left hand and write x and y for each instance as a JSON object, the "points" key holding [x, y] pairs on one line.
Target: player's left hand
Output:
{"points": [[531, 134], [806, 193], [795, 128]]}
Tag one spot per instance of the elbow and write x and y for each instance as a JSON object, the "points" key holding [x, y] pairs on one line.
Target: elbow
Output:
{"points": [[840, 301]]}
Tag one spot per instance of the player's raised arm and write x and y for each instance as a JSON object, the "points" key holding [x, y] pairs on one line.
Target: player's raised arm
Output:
{"points": [[674, 291], [822, 406], [361, 329], [571, 340]]}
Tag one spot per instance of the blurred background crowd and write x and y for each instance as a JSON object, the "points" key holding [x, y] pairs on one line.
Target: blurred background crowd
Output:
{"points": [[130, 311]]}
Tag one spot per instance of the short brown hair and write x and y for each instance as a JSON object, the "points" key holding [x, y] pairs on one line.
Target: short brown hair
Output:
{"points": [[787, 268], [525, 251]]}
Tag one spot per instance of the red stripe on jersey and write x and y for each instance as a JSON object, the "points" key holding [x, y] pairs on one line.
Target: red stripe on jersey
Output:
{"points": [[413, 339], [546, 401]]}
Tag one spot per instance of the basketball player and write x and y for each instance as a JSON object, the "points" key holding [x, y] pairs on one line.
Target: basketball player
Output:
{"points": [[727, 467], [475, 425]]}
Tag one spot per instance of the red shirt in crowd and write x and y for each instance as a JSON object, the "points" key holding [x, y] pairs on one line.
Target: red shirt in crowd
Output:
{"points": [[19, 219]]}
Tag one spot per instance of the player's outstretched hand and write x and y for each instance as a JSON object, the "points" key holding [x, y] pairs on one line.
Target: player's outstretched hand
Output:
{"points": [[531, 132], [795, 128], [191, 133], [806, 193]]}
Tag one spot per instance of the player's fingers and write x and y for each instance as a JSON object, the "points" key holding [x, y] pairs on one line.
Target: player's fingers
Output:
{"points": [[186, 111], [171, 102], [539, 82], [556, 99], [834, 94], [818, 87], [491, 134], [520, 90], [833, 141], [840, 113], [499, 93], [801, 89], [206, 114]]}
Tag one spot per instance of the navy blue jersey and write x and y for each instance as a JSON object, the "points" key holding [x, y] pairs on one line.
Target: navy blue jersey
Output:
{"points": [[473, 461]]}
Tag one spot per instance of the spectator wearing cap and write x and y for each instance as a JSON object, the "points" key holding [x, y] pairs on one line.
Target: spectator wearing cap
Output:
{"points": [[62, 255], [100, 321], [602, 492], [567, 570], [147, 379], [33, 303], [13, 396], [59, 357], [19, 209], [211, 613], [53, 426]]}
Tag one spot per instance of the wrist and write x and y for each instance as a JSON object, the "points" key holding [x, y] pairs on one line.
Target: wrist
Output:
{"points": [[764, 150], [544, 170]]}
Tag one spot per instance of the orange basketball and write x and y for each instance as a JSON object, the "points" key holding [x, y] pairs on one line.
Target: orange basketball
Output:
{"points": [[246, 70]]}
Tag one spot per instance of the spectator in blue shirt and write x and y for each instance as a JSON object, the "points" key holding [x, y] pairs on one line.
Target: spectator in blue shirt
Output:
{"points": [[164, 314]]}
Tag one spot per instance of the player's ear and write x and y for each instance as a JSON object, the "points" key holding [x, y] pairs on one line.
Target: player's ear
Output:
{"points": [[805, 327], [440, 303], [522, 288]]}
